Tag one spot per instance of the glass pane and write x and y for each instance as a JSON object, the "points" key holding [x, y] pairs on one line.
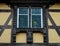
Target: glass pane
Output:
{"points": [[36, 21], [23, 10], [23, 21], [36, 11]]}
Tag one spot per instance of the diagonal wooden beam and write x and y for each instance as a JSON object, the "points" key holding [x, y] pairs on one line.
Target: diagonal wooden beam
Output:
{"points": [[54, 25], [5, 25]]}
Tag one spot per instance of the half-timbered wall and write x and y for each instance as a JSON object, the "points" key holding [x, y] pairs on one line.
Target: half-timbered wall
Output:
{"points": [[6, 35], [53, 36]]}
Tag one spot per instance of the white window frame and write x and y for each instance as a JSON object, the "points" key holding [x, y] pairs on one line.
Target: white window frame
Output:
{"points": [[18, 14]]}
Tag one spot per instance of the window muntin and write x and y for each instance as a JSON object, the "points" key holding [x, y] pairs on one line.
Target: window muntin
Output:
{"points": [[26, 19]]}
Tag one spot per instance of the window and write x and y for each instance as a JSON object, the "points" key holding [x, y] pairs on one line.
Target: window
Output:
{"points": [[36, 16], [22, 18], [29, 17]]}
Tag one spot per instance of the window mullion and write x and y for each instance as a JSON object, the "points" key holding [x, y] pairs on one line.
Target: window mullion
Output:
{"points": [[31, 17], [28, 17]]}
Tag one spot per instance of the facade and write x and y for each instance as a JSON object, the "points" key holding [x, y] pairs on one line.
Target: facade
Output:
{"points": [[30, 23]]}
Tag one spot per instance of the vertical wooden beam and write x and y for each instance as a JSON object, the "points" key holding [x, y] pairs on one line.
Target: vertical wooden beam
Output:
{"points": [[13, 33], [45, 25]]}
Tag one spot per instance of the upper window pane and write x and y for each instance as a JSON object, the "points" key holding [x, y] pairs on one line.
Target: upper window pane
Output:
{"points": [[36, 11], [23, 10]]}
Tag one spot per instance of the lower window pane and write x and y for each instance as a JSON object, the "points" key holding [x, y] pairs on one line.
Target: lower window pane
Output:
{"points": [[23, 21], [36, 21]]}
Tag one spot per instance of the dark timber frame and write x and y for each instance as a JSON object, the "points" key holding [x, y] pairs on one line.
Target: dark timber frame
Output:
{"points": [[46, 15]]}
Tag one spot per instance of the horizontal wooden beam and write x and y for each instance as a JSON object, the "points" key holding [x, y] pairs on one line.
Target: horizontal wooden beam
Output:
{"points": [[51, 27], [20, 44], [54, 10], [5, 10], [7, 27], [31, 29]]}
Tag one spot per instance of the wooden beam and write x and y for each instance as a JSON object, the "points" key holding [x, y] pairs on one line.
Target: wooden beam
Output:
{"points": [[54, 25], [6, 23], [7, 27], [54, 10], [5, 10]]}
